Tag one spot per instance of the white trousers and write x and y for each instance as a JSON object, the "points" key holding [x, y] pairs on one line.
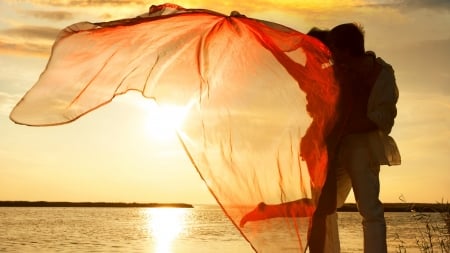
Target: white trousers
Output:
{"points": [[358, 168]]}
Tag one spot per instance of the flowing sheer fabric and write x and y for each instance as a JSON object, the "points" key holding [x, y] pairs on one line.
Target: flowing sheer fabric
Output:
{"points": [[260, 99]]}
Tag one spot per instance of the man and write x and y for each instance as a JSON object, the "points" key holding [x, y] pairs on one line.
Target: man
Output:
{"points": [[359, 143]]}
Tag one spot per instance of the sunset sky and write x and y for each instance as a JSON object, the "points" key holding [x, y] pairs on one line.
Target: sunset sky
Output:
{"points": [[113, 154]]}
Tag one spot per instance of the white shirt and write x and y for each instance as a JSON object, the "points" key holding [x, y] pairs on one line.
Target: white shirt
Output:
{"points": [[382, 110]]}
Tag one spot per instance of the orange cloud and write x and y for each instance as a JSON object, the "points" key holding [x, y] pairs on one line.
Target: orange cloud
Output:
{"points": [[50, 15], [25, 49], [27, 40], [31, 32]]}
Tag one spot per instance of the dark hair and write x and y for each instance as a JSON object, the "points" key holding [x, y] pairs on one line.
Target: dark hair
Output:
{"points": [[350, 37], [319, 34]]}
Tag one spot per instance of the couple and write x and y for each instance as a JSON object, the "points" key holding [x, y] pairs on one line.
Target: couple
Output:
{"points": [[358, 144]]}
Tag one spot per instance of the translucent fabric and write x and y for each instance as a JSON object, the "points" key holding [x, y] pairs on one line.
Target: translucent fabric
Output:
{"points": [[260, 98]]}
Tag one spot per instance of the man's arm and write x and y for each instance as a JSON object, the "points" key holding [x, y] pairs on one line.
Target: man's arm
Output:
{"points": [[382, 108]]}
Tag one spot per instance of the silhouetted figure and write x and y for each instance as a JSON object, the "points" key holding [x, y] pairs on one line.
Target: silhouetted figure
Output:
{"points": [[359, 143]]}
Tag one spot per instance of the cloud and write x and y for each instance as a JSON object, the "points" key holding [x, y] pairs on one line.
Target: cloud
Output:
{"points": [[26, 49], [50, 15], [7, 102], [443, 5], [259, 5], [32, 32], [27, 40], [437, 5], [87, 3]]}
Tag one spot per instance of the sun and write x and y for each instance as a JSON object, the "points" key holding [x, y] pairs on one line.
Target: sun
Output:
{"points": [[163, 120]]}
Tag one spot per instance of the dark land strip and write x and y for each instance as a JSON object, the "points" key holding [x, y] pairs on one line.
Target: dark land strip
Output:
{"points": [[348, 207], [402, 207], [88, 204]]}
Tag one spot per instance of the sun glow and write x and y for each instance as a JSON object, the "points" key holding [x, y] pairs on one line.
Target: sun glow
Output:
{"points": [[164, 225], [163, 121]]}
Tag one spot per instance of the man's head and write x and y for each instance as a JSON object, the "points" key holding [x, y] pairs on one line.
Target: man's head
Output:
{"points": [[319, 34], [346, 40]]}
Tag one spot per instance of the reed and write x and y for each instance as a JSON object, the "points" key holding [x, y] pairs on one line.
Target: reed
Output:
{"points": [[433, 235]]}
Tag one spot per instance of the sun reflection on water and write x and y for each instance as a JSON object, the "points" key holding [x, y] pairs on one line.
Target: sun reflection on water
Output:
{"points": [[164, 226]]}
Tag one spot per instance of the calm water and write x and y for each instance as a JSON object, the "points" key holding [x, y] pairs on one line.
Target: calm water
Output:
{"points": [[160, 230]]}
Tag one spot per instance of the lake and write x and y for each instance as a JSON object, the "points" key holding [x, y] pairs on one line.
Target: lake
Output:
{"points": [[168, 230]]}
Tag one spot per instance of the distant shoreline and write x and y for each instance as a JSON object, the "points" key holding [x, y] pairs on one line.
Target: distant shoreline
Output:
{"points": [[401, 207], [89, 204], [348, 207]]}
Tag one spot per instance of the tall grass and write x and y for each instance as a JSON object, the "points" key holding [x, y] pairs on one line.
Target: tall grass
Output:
{"points": [[433, 235]]}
